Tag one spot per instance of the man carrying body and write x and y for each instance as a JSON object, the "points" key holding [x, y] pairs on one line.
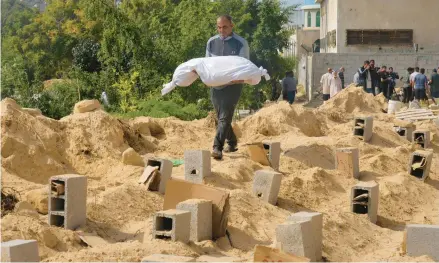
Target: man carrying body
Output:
{"points": [[225, 98], [434, 86], [325, 84]]}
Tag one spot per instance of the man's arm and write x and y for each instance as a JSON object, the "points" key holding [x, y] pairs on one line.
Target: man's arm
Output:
{"points": [[245, 50], [208, 54]]}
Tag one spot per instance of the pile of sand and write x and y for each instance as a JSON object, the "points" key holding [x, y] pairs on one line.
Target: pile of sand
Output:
{"points": [[119, 210]]}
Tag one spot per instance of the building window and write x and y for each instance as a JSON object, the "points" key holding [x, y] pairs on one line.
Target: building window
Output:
{"points": [[318, 19], [309, 19], [379, 37]]}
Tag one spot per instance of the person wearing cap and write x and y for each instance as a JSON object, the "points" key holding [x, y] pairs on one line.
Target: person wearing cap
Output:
{"points": [[325, 84], [434, 85]]}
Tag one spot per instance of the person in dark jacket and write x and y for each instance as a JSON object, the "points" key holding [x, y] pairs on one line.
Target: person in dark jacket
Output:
{"points": [[408, 91], [341, 76], [364, 77], [225, 98], [374, 76], [289, 86]]}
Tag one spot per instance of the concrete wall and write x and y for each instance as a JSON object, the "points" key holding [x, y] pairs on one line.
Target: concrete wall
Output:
{"points": [[328, 16], [318, 63], [374, 14]]}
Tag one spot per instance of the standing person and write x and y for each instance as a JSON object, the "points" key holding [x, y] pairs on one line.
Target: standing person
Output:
{"points": [[408, 92], [335, 84], [341, 76], [384, 81], [225, 98], [412, 78], [374, 76], [365, 79], [434, 85], [356, 79], [421, 85], [394, 76], [289, 86], [325, 84]]}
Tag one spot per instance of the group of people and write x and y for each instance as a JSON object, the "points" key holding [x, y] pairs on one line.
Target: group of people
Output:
{"points": [[332, 83], [416, 85]]}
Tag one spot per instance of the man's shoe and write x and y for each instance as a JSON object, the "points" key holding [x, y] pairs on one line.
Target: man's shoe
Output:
{"points": [[217, 154], [230, 149]]}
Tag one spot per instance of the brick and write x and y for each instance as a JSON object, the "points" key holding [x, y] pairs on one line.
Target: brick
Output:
{"points": [[20, 251], [218, 258], [367, 205], [167, 258], [423, 240], [406, 132], [422, 138], [196, 165], [165, 169], [363, 127], [266, 185], [273, 155], [348, 160], [68, 209], [424, 158], [317, 229], [297, 238], [201, 218], [172, 224]]}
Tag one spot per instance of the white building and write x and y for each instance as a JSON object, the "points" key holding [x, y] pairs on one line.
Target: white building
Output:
{"points": [[377, 26]]}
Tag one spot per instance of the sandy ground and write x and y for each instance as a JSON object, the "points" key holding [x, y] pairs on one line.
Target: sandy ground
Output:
{"points": [[35, 147]]}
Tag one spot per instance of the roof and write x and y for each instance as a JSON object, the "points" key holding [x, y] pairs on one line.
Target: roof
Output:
{"points": [[306, 7]]}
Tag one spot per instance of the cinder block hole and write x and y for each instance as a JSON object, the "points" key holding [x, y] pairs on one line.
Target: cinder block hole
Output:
{"points": [[267, 149], [53, 187], [419, 172], [401, 132], [359, 122], [57, 204], [56, 220], [154, 163], [359, 208], [420, 139], [165, 237], [358, 132], [163, 223], [195, 172], [259, 195]]}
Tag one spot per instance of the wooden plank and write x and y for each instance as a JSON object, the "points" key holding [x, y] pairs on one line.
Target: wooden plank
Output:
{"points": [[420, 118], [415, 114]]}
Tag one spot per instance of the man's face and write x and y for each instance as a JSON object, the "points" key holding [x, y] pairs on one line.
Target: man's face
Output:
{"points": [[224, 27], [372, 64], [390, 70]]}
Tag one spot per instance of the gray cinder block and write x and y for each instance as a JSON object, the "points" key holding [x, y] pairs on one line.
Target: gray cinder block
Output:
{"points": [[422, 138], [363, 127], [172, 224], [196, 165], [68, 209], [364, 199], [348, 160], [201, 218], [297, 238], [165, 169], [423, 240], [406, 132], [20, 251], [424, 159], [266, 185], [273, 149], [317, 229], [167, 258]]}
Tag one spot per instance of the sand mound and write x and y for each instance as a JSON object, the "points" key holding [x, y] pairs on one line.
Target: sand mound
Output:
{"points": [[119, 210]]}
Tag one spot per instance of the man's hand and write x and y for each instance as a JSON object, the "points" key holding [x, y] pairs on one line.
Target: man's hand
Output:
{"points": [[194, 71]]}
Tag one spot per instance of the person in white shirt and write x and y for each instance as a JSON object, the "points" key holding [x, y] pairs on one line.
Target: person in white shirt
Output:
{"points": [[325, 84], [356, 78], [335, 84], [412, 78]]}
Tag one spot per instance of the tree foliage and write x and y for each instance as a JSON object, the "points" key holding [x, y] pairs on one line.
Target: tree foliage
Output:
{"points": [[128, 50]]}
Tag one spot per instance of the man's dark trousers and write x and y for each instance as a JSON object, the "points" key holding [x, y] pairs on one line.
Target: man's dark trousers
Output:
{"points": [[225, 101]]}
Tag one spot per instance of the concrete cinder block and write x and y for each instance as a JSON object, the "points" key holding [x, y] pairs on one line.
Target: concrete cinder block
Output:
{"points": [[167, 258], [422, 138], [68, 209], [266, 185], [196, 165], [172, 224], [363, 127], [406, 132], [424, 160], [348, 160], [297, 238], [364, 199], [165, 169], [317, 228], [423, 240], [201, 218], [20, 251], [273, 153]]}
